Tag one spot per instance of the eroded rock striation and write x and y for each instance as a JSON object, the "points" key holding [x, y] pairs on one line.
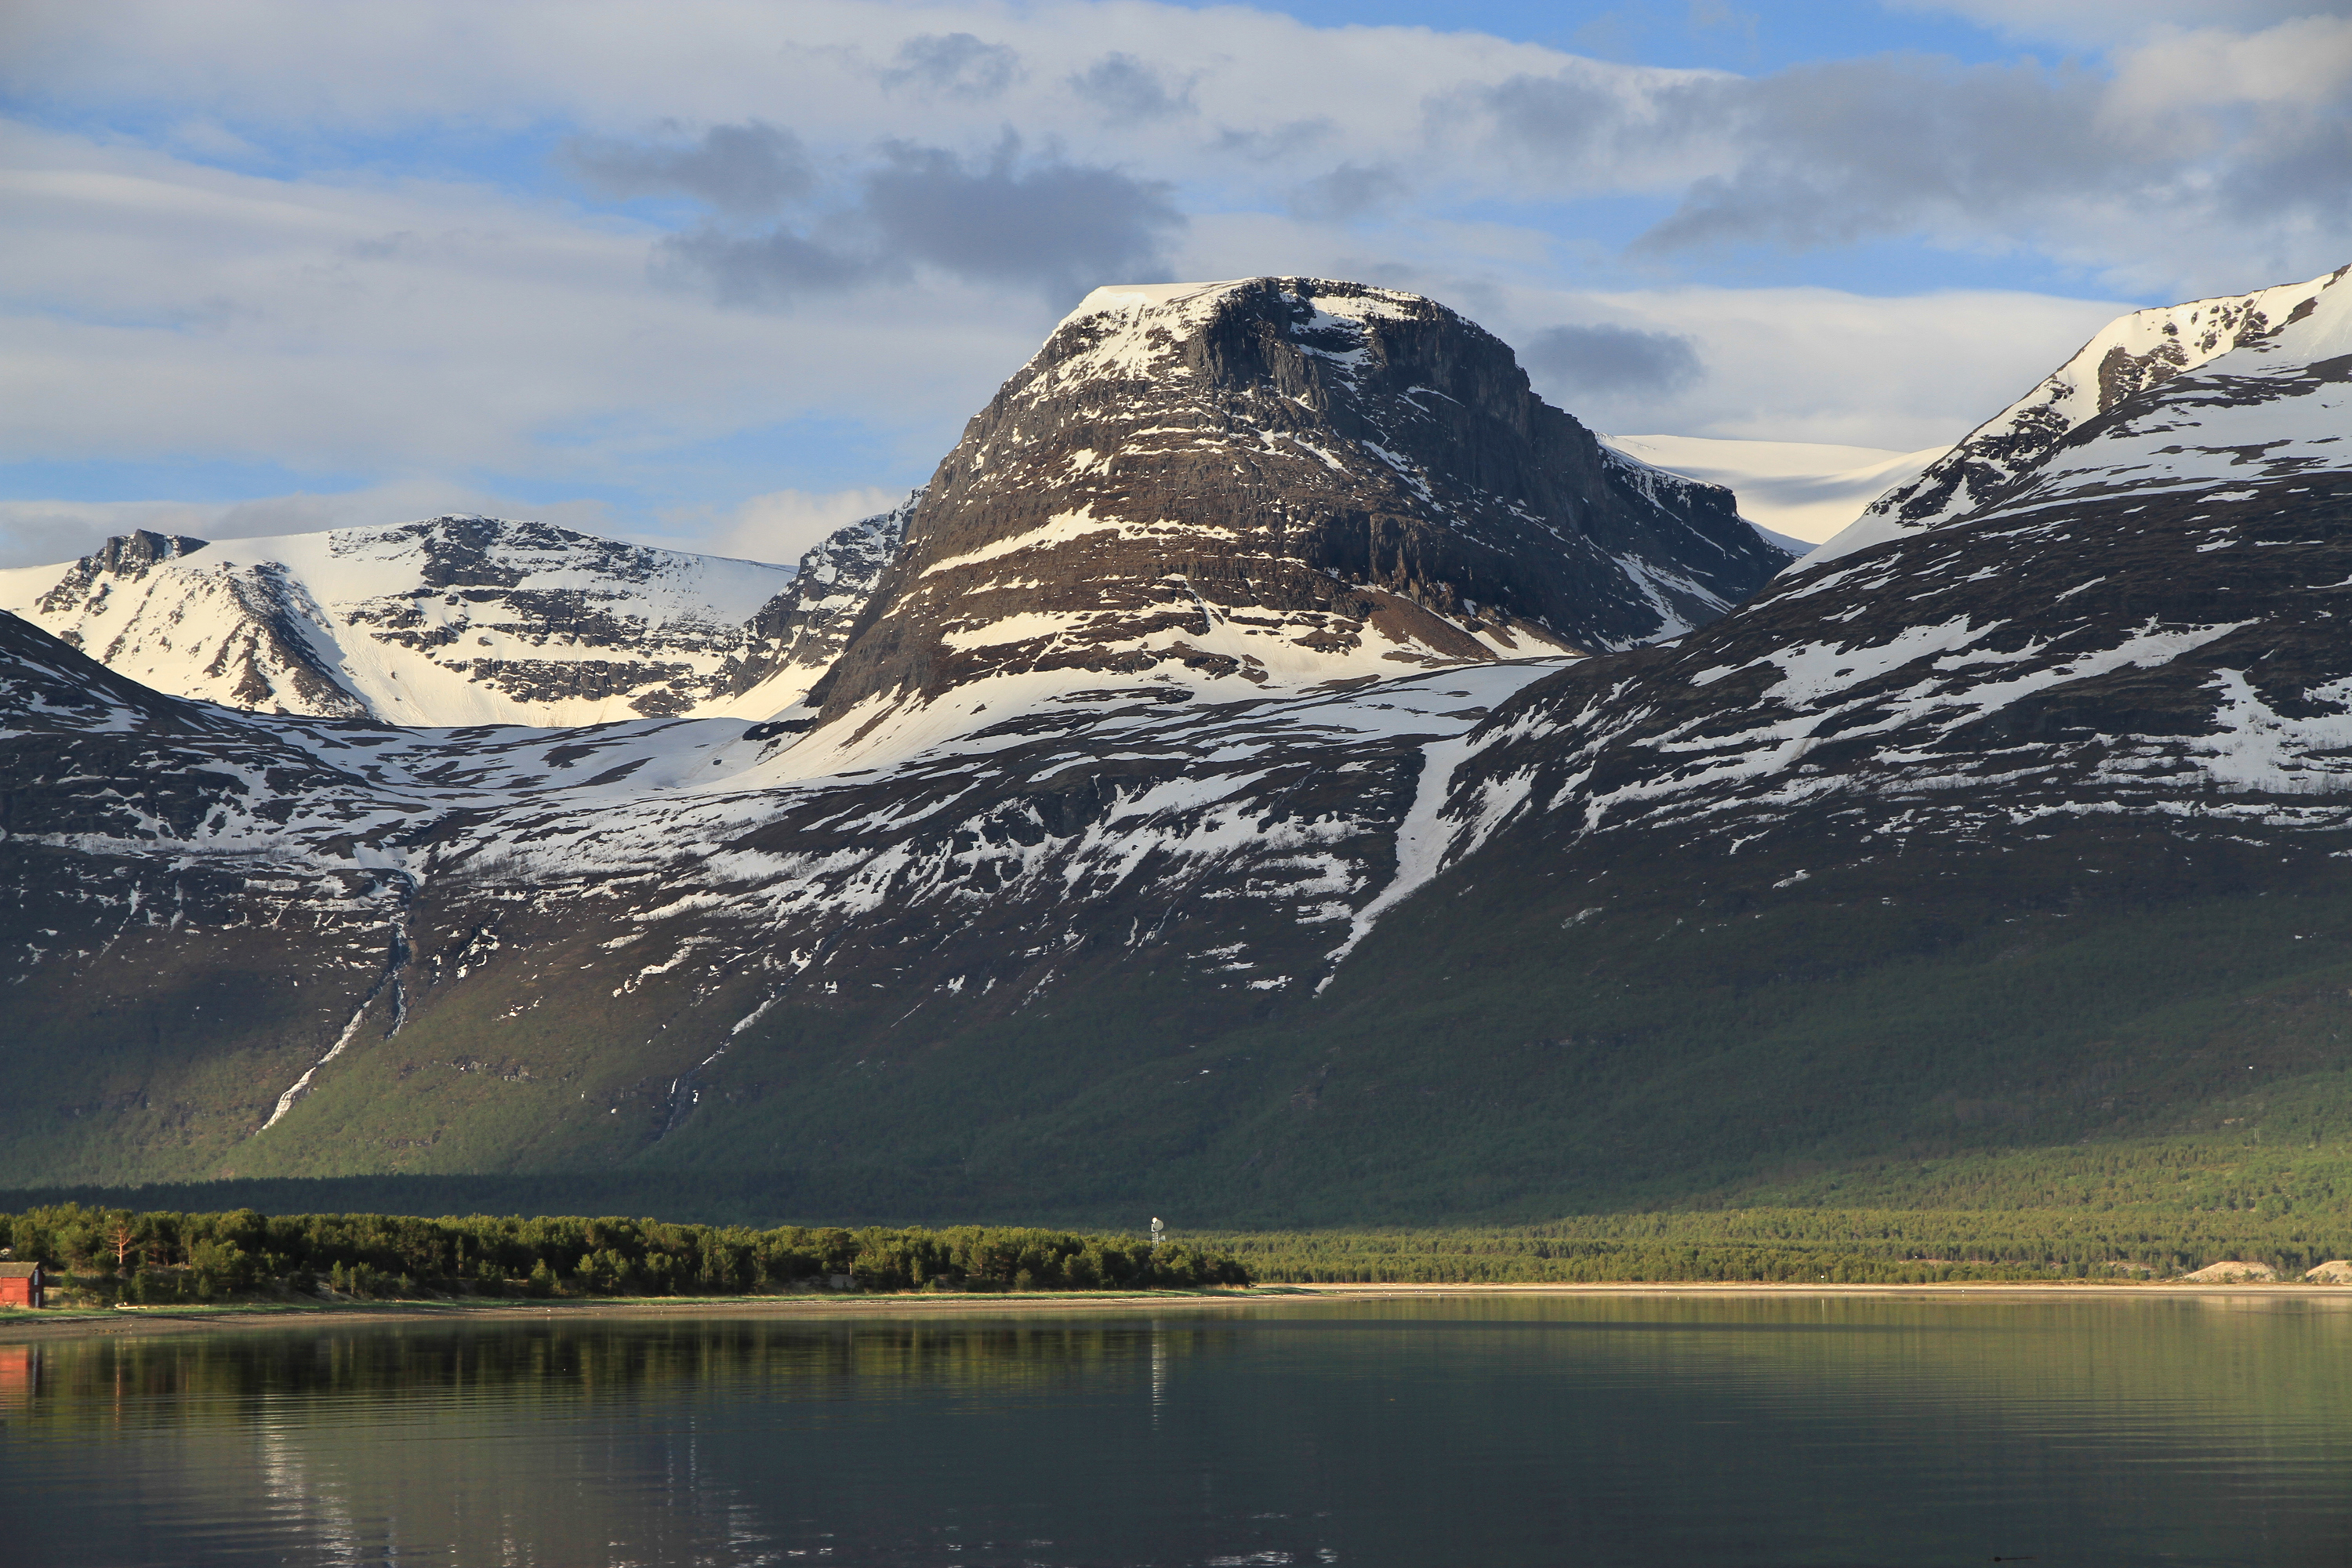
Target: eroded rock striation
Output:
{"points": [[1275, 481]]}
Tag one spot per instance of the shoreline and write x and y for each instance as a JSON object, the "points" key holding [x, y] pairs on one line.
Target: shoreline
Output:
{"points": [[17, 1326]]}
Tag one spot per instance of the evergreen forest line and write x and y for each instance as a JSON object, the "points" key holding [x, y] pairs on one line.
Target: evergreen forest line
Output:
{"points": [[163, 1256], [1801, 1247], [160, 1257]]}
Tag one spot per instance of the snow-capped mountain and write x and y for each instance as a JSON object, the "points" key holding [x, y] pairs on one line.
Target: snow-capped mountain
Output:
{"points": [[457, 620], [2258, 334], [2117, 604], [1279, 482], [1016, 881]]}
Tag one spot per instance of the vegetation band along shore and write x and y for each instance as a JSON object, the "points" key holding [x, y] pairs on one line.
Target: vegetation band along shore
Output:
{"points": [[113, 1254], [157, 1256]]}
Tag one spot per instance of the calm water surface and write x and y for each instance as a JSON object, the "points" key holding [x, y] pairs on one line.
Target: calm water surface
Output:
{"points": [[1561, 1430]]}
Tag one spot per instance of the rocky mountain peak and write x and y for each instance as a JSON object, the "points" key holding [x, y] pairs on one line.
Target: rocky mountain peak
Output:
{"points": [[2292, 322], [126, 555], [1282, 481]]}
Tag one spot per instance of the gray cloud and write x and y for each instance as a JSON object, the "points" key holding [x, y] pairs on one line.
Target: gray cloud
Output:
{"points": [[1556, 119], [1348, 191], [771, 268], [1282, 142], [748, 168], [1605, 360], [1835, 153], [1058, 225], [1126, 89], [2310, 179], [957, 65], [1050, 224]]}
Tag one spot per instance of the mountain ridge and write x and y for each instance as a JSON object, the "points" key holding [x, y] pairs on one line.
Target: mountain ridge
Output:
{"points": [[457, 619], [2008, 832], [2136, 353]]}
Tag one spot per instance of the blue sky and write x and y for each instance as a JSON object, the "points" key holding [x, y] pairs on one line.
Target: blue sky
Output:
{"points": [[723, 273]]}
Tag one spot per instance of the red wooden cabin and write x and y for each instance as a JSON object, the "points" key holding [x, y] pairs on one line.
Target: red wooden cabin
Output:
{"points": [[22, 1285]]}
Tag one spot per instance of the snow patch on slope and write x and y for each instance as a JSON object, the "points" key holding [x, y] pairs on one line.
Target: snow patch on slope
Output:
{"points": [[452, 620], [2290, 324]]}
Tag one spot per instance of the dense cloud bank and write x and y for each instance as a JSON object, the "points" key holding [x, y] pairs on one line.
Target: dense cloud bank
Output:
{"points": [[659, 265]]}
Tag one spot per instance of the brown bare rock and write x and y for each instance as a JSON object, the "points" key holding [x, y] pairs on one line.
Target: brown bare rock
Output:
{"points": [[1283, 480]]}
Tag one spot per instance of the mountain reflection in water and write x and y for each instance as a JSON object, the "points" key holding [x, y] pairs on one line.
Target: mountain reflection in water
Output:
{"points": [[1527, 1430]]}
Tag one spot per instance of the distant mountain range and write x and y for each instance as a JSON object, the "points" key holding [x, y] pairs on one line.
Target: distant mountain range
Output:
{"points": [[1277, 764], [457, 620]]}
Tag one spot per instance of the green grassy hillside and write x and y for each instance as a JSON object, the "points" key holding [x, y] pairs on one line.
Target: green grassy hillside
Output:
{"points": [[2095, 1025]]}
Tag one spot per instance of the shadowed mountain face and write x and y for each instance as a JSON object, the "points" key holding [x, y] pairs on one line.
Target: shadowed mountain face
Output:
{"points": [[1279, 480], [2003, 831]]}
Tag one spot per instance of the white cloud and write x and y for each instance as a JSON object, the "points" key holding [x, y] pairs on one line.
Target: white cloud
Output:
{"points": [[163, 307], [835, 70], [2302, 64], [40, 533], [1821, 365], [781, 524], [342, 321]]}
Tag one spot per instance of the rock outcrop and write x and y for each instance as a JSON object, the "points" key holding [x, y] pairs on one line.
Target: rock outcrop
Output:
{"points": [[796, 636], [1275, 482]]}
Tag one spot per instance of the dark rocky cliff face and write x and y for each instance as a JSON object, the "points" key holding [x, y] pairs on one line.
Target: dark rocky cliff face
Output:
{"points": [[804, 629], [1278, 481]]}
